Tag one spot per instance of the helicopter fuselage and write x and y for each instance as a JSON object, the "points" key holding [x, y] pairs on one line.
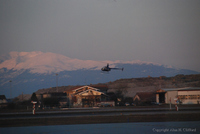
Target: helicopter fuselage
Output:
{"points": [[107, 68]]}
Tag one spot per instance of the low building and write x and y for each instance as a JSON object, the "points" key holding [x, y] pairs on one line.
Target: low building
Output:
{"points": [[51, 99], [144, 98], [63, 102], [85, 96], [55, 95], [187, 95], [60, 95]]}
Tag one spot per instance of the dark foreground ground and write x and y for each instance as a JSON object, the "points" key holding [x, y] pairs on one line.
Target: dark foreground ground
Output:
{"points": [[112, 115]]}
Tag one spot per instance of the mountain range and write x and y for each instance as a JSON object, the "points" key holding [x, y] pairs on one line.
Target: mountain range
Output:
{"points": [[26, 72]]}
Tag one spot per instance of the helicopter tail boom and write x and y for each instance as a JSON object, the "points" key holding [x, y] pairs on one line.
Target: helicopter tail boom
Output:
{"points": [[118, 68]]}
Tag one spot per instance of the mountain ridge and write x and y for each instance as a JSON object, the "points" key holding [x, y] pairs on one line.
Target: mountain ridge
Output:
{"points": [[40, 62], [30, 71]]}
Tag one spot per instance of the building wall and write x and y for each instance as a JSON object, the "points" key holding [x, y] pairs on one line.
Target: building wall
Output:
{"points": [[171, 95], [46, 95], [189, 97], [189, 92], [39, 96], [79, 101], [157, 98], [190, 101]]}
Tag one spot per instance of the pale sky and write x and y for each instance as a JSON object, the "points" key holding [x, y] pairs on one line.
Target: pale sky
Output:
{"points": [[161, 31]]}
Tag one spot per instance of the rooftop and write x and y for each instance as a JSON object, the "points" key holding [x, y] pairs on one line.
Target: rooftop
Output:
{"points": [[181, 89]]}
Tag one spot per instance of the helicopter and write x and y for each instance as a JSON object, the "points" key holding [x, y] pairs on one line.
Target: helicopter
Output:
{"points": [[107, 68]]}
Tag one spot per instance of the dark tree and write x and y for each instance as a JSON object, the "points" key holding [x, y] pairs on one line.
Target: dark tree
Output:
{"points": [[34, 97]]}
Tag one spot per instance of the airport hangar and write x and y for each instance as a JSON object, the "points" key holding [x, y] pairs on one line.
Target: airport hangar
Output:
{"points": [[187, 95]]}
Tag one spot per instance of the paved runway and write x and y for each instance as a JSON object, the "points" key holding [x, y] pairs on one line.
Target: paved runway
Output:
{"points": [[74, 112], [98, 115]]}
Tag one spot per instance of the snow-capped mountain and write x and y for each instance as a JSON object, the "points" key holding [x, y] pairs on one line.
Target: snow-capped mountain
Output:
{"points": [[39, 62], [30, 71]]}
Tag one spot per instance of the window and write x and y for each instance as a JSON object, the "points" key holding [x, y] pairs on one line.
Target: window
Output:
{"points": [[182, 97]]}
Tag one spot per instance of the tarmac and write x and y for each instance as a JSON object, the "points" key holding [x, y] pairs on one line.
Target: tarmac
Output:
{"points": [[99, 115]]}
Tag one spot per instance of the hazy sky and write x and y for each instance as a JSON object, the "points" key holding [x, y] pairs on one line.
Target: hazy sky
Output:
{"points": [[161, 31]]}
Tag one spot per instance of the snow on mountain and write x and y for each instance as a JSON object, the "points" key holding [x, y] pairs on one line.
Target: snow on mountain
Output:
{"points": [[39, 62], [30, 71]]}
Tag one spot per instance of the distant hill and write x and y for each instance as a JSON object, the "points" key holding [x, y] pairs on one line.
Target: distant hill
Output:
{"points": [[151, 84], [30, 71], [147, 84]]}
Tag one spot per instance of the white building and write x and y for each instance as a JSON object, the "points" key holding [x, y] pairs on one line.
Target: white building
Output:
{"points": [[86, 96], [187, 95]]}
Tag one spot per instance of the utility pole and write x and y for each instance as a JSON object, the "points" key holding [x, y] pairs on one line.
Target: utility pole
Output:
{"points": [[10, 89], [22, 96], [57, 82]]}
